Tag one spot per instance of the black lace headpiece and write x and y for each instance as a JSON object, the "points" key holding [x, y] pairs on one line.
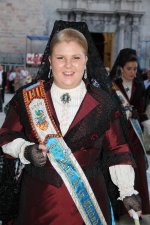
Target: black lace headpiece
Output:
{"points": [[95, 67], [123, 53]]}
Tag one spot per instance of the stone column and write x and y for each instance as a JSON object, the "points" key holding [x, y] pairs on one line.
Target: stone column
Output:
{"points": [[65, 4], [89, 4], [135, 32], [123, 4], [78, 4], [78, 16], [136, 5], [121, 37], [121, 30], [78, 13], [64, 13], [135, 28]]}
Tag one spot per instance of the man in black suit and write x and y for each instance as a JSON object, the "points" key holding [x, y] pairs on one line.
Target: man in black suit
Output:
{"points": [[4, 78]]}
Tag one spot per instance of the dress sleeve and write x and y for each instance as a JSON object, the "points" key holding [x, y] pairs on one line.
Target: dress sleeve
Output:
{"points": [[16, 149], [11, 128], [12, 135], [116, 150], [123, 177]]}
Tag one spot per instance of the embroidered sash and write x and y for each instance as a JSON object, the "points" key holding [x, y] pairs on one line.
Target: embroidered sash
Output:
{"points": [[134, 122], [61, 156]]}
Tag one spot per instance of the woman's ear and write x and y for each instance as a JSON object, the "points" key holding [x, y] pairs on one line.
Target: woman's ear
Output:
{"points": [[86, 58], [49, 58], [121, 69]]}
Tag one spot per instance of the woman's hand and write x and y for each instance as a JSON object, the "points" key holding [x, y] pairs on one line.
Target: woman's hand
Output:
{"points": [[43, 148], [36, 154], [133, 202], [138, 212]]}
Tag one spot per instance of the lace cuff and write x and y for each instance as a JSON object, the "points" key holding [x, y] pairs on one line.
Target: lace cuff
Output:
{"points": [[123, 177], [16, 149]]}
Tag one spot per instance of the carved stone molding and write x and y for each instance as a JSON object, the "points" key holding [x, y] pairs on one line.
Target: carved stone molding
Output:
{"points": [[92, 13], [123, 23]]}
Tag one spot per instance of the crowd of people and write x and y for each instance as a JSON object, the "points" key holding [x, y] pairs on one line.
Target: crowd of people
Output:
{"points": [[18, 77], [12, 80], [76, 128]]}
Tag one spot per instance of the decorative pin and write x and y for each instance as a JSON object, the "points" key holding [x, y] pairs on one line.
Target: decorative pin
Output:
{"points": [[127, 89], [65, 98]]}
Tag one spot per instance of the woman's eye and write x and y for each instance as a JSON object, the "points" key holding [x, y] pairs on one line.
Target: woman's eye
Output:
{"points": [[76, 57], [60, 57]]}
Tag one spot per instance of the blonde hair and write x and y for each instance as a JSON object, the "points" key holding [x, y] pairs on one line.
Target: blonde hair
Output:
{"points": [[68, 35]]}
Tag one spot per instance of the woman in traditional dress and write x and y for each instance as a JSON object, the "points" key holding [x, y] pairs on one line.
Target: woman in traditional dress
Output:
{"points": [[131, 91], [60, 123]]}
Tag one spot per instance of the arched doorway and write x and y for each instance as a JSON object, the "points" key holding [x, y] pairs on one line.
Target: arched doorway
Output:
{"points": [[105, 45], [98, 39]]}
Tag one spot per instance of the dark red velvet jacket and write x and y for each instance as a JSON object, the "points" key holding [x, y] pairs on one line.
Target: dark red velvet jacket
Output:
{"points": [[96, 139], [96, 124]]}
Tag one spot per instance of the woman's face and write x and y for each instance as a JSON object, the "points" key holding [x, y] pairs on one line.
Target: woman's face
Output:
{"points": [[129, 71], [68, 62]]}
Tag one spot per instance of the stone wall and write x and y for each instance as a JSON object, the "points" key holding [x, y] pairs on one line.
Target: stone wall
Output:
{"points": [[36, 17], [19, 19]]}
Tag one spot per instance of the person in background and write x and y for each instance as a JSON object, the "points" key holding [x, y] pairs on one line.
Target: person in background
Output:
{"points": [[11, 80], [26, 71], [65, 131], [8, 82], [23, 75], [28, 78], [131, 92], [1, 101], [143, 75], [147, 87], [34, 75], [17, 80], [4, 78], [147, 81]]}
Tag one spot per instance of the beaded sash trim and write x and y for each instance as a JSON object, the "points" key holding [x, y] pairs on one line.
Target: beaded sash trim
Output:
{"points": [[60, 155]]}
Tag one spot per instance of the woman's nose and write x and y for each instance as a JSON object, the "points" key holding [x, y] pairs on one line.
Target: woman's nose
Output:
{"points": [[133, 72], [68, 63]]}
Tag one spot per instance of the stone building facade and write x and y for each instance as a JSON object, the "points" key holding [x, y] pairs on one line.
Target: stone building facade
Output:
{"points": [[114, 24]]}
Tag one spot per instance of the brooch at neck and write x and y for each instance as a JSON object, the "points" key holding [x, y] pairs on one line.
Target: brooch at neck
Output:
{"points": [[65, 98]]}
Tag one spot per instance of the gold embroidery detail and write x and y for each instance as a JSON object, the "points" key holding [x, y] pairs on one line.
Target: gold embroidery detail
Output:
{"points": [[39, 93]]}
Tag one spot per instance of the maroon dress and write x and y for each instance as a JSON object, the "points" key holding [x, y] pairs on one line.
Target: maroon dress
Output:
{"points": [[96, 140], [138, 101]]}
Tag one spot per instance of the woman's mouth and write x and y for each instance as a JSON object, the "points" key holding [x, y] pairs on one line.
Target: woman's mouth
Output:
{"points": [[68, 73]]}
